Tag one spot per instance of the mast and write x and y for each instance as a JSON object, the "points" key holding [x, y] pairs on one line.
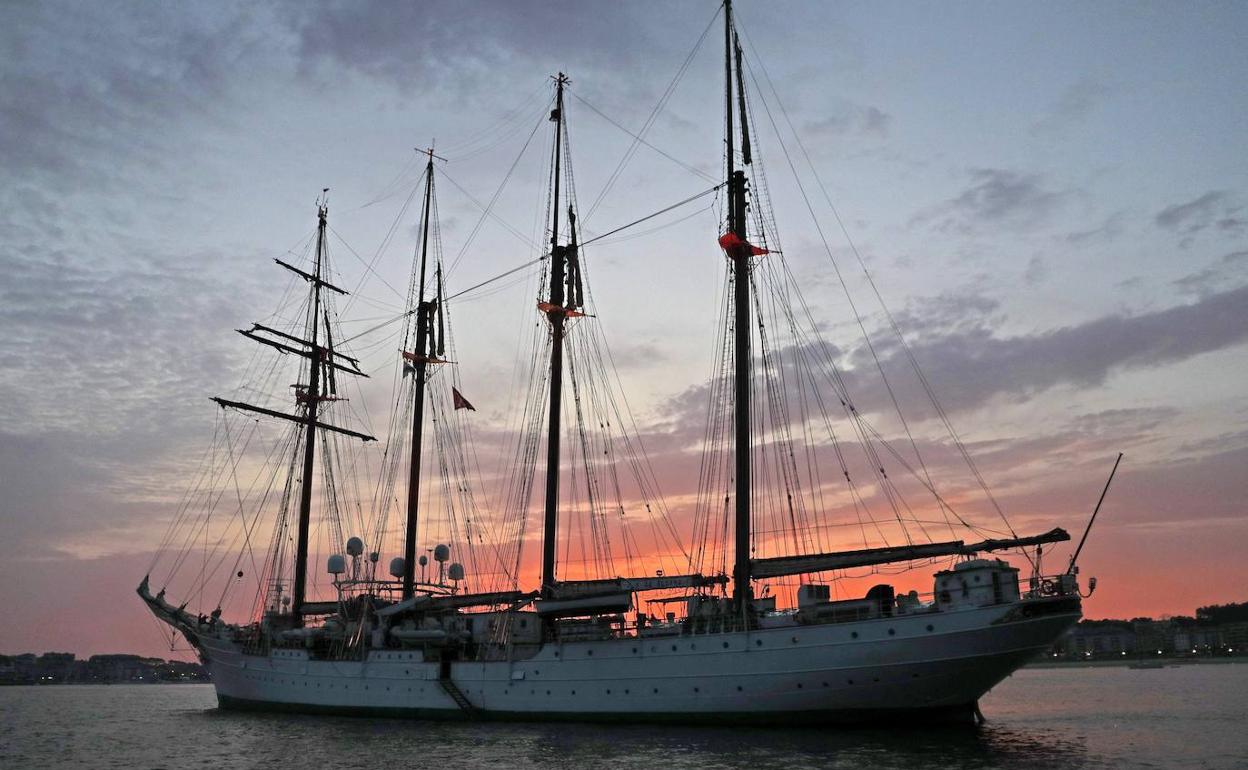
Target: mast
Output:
{"points": [[739, 252], [557, 314], [320, 358], [424, 313], [312, 402]]}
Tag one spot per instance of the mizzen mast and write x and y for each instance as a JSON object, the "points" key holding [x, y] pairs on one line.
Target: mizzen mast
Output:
{"points": [[564, 299], [739, 252]]}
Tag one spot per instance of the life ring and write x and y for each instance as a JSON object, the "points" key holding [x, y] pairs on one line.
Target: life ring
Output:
{"points": [[1048, 587]]}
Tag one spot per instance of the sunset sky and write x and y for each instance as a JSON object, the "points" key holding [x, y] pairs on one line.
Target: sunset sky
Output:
{"points": [[1051, 198]]}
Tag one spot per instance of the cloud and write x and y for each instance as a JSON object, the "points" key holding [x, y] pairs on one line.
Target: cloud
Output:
{"points": [[437, 45], [948, 311], [1107, 231], [83, 112], [856, 119], [63, 495], [996, 198], [111, 347], [971, 366], [1077, 102], [1195, 212], [638, 355], [997, 195], [1229, 270], [1213, 209], [1037, 270]]}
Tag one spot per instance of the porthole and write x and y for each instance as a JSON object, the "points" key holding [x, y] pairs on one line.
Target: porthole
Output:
{"points": [[588, 652], [799, 685], [673, 648], [626, 692], [725, 645], [608, 692], [695, 689], [634, 650], [758, 642], [853, 634], [795, 640], [849, 681], [739, 688], [825, 684], [656, 691], [930, 627], [892, 632]]}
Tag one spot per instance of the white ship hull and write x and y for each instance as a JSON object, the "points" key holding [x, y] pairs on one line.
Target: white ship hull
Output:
{"points": [[934, 665]]}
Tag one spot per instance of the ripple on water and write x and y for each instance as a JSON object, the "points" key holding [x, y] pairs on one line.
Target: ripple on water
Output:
{"points": [[1192, 716]]}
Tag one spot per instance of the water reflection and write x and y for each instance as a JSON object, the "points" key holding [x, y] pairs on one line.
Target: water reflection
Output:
{"points": [[1176, 718], [586, 746]]}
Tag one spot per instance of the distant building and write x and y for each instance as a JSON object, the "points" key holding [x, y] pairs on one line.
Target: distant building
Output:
{"points": [[56, 666], [64, 668], [1234, 636], [1196, 639], [1098, 639]]}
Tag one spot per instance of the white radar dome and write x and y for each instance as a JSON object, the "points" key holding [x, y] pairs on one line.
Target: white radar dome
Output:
{"points": [[441, 552], [455, 571], [355, 546], [337, 564], [423, 560], [396, 566]]}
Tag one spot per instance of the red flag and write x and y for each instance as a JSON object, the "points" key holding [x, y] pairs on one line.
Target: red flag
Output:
{"points": [[730, 241], [460, 401]]}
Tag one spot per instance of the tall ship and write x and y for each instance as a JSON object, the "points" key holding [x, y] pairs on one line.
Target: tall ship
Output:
{"points": [[736, 600]]}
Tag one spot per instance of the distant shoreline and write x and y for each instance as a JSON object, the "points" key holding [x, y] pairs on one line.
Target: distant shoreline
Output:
{"points": [[96, 684], [1127, 662]]}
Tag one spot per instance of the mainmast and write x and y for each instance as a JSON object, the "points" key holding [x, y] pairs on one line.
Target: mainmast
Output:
{"points": [[427, 351], [739, 252], [322, 360], [564, 274]]}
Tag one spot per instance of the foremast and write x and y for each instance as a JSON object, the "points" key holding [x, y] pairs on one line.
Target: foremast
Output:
{"points": [[321, 387], [429, 349], [312, 402]]}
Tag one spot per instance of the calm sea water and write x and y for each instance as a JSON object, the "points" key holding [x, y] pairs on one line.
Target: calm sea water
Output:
{"points": [[1180, 717]]}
